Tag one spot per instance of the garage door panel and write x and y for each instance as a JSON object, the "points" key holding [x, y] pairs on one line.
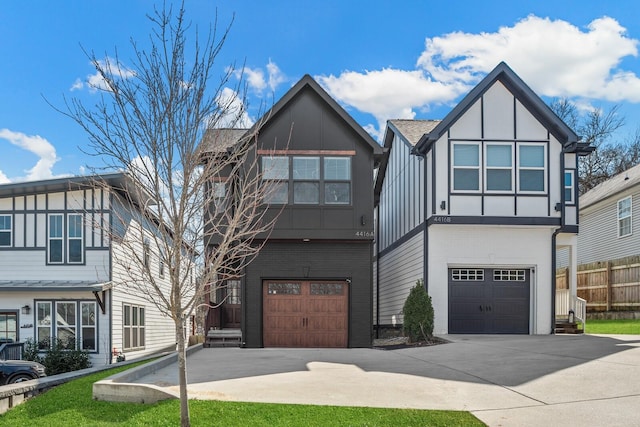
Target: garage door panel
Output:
{"points": [[305, 314], [489, 300]]}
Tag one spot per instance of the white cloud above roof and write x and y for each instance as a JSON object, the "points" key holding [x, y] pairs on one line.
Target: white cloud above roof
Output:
{"points": [[37, 145], [554, 57]]}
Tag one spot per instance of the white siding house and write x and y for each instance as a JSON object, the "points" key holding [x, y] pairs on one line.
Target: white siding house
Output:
{"points": [[477, 206], [58, 270], [609, 219]]}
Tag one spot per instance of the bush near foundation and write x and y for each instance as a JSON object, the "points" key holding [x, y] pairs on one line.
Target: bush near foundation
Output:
{"points": [[57, 358], [418, 314]]}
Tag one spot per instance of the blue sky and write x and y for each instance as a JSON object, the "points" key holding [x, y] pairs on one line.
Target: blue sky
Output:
{"points": [[380, 59]]}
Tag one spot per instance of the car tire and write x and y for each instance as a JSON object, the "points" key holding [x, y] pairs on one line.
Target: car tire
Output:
{"points": [[19, 378]]}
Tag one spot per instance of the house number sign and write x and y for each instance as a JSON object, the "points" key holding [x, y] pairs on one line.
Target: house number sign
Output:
{"points": [[441, 219]]}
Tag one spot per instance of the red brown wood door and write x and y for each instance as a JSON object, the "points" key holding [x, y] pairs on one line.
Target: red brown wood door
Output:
{"points": [[305, 314]]}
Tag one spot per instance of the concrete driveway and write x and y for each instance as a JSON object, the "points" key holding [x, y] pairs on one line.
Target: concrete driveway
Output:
{"points": [[503, 380]]}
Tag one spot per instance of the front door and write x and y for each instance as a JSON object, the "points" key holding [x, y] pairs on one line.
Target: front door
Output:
{"points": [[305, 314], [232, 305]]}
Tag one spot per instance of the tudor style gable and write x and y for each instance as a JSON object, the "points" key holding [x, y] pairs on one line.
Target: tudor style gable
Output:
{"points": [[501, 154]]}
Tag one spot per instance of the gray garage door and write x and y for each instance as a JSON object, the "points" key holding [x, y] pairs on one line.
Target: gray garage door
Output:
{"points": [[488, 301]]}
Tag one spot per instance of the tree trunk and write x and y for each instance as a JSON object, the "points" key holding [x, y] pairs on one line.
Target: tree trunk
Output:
{"points": [[185, 419]]}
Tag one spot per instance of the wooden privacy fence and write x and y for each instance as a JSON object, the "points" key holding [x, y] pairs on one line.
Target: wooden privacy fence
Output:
{"points": [[607, 286]]}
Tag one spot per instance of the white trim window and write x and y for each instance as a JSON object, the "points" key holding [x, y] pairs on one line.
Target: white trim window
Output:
{"points": [[75, 324], [532, 161], [75, 240], [5, 231], [498, 174], [465, 169], [133, 327], [55, 242], [569, 187], [306, 180], [625, 217]]}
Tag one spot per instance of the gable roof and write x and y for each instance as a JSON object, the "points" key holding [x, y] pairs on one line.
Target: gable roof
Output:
{"points": [[522, 92], [306, 82], [611, 187], [410, 131]]}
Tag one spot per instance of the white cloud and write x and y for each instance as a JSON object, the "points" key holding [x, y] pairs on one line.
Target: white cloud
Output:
{"points": [[95, 82], [554, 57], [258, 81], [233, 113], [390, 93], [36, 145], [3, 178]]}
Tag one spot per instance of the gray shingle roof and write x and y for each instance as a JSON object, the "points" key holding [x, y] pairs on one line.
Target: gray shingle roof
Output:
{"points": [[412, 130], [219, 140], [612, 186]]}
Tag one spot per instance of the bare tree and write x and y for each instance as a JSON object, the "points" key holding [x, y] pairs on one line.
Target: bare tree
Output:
{"points": [[151, 119], [597, 127]]}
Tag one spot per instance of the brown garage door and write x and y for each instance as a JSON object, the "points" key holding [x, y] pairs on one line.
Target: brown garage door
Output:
{"points": [[305, 313]]}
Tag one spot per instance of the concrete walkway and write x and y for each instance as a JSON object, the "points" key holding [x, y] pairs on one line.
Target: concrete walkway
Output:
{"points": [[503, 380]]}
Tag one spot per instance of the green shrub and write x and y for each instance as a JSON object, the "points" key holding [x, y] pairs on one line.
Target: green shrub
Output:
{"points": [[57, 359], [418, 314]]}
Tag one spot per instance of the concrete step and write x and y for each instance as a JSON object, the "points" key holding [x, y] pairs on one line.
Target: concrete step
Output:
{"points": [[223, 338]]}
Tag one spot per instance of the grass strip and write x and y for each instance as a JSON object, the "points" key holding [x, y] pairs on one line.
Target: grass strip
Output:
{"points": [[614, 327], [72, 404]]}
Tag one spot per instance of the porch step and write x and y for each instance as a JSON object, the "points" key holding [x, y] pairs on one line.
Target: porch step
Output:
{"points": [[223, 338], [564, 327]]}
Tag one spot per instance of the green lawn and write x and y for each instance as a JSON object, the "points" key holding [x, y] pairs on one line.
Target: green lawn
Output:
{"points": [[613, 327], [71, 404]]}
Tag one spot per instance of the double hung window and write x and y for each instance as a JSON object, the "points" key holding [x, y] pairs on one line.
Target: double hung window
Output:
{"points": [[275, 175], [569, 189], [624, 217], [8, 327], [133, 329], [492, 167], [466, 167], [499, 167], [337, 180], [306, 180], [531, 168], [5, 231], [65, 247]]}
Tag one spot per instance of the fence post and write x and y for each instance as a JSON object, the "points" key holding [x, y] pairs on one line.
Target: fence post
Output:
{"points": [[608, 283]]}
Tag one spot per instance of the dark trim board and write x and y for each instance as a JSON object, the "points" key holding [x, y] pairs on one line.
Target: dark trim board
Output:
{"points": [[492, 220]]}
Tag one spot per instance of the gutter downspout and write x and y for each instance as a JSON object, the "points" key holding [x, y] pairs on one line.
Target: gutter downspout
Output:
{"points": [[377, 243]]}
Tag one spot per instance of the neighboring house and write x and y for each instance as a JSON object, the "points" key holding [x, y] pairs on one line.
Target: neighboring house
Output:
{"points": [[311, 284], [479, 211], [608, 219], [61, 268]]}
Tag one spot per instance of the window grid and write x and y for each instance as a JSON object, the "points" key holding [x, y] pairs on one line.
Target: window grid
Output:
{"points": [[5, 231], [508, 275], [310, 180], [467, 274], [75, 239], [625, 217], [133, 327]]}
